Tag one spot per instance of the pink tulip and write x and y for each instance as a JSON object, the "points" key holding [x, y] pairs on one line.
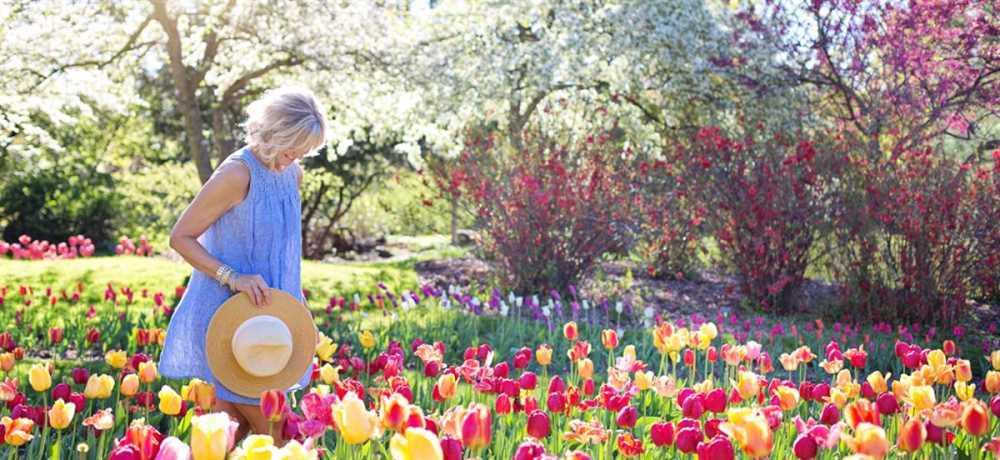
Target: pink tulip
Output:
{"points": [[173, 449], [538, 425]]}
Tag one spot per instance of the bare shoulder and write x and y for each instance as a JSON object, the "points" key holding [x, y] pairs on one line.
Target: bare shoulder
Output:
{"points": [[299, 172], [230, 182]]}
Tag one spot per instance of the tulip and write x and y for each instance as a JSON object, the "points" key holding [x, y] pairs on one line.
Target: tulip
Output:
{"points": [[256, 446], [717, 448], [992, 382], [861, 411], [788, 398], [750, 430], [367, 340], [869, 440], [356, 423], [975, 419], [538, 425], [273, 405], [17, 431], [570, 331], [173, 449], [416, 444], [689, 358], [805, 447], [212, 436], [170, 401], [629, 446], [544, 355], [39, 377], [102, 420], [147, 372], [556, 402], [477, 427], [116, 359], [586, 368], [995, 406], [199, 392], [715, 401], [452, 448], [99, 387], [887, 404], [627, 416], [502, 405], [921, 397], [609, 338], [80, 375], [911, 435], [445, 387], [61, 391], [124, 452], [61, 414], [662, 433], [7, 361], [394, 410], [747, 385], [693, 407], [130, 385], [687, 439], [529, 450]]}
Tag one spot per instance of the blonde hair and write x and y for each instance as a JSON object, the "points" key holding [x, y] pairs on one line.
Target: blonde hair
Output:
{"points": [[285, 118]]}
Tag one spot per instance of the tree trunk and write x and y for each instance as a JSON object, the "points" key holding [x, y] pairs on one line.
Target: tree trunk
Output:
{"points": [[454, 219]]}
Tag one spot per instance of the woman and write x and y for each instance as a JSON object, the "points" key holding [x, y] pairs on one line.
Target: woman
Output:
{"points": [[242, 234]]}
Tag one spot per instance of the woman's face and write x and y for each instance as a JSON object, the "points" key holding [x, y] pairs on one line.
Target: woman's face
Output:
{"points": [[287, 157]]}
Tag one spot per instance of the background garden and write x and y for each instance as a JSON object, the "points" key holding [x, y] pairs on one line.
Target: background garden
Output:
{"points": [[799, 175]]}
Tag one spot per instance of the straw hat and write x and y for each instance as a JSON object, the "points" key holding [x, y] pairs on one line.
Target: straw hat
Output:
{"points": [[253, 349]]}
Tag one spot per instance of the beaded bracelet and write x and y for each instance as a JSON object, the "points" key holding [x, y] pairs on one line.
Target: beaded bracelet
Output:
{"points": [[224, 275]]}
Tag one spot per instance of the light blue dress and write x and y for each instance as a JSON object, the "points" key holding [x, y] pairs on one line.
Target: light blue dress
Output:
{"points": [[260, 235]]}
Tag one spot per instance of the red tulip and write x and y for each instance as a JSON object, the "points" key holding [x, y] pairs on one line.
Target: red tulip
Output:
{"points": [[830, 415], [530, 404], [949, 347], [522, 358], [61, 391], [80, 375], [975, 419], [887, 404], [273, 405], [501, 370], [528, 380], [715, 401], [588, 387], [452, 448], [556, 385], [538, 425], [712, 427], [805, 447], [718, 448], [570, 331], [503, 405], [688, 439], [938, 435], [56, 335], [529, 450], [911, 435], [556, 403], [432, 368], [609, 338], [693, 407], [477, 427], [662, 433], [124, 452], [627, 417], [995, 406], [689, 358], [713, 354]]}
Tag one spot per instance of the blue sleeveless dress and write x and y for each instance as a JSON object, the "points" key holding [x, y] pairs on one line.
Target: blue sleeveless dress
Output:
{"points": [[260, 235]]}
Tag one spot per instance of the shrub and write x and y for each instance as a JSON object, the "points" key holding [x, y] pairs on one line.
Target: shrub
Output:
{"points": [[919, 237], [549, 212], [153, 198], [55, 200], [765, 201]]}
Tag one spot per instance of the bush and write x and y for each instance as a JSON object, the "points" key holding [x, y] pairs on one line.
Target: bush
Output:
{"points": [[919, 237], [54, 200], [153, 199], [764, 199], [548, 212]]}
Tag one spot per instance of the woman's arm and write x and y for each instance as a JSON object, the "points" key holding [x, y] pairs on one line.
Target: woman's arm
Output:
{"points": [[225, 189]]}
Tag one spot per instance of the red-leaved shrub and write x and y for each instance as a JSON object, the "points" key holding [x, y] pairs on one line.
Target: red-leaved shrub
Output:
{"points": [[548, 212]]}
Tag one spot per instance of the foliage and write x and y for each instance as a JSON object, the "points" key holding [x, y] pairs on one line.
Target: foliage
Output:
{"points": [[917, 241], [153, 198], [549, 211]]}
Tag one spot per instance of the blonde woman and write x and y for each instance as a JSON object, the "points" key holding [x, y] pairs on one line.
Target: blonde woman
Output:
{"points": [[242, 234]]}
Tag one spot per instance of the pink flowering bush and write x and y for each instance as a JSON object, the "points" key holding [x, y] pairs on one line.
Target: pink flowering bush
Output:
{"points": [[27, 248]]}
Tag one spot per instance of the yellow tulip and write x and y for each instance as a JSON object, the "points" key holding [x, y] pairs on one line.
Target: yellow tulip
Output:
{"points": [[130, 385], [199, 392], [295, 451], [99, 387], [937, 359], [921, 397], [750, 431], [61, 414], [325, 348], [257, 447], [170, 401], [357, 424], [868, 439], [417, 444], [992, 382], [878, 382], [643, 380], [995, 360], [964, 391], [788, 397], [329, 374], [211, 435], [747, 385], [629, 353], [147, 372], [39, 377], [544, 355], [705, 386], [116, 359], [709, 330], [367, 340]]}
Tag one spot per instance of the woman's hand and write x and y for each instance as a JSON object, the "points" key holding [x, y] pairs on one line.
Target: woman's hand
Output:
{"points": [[255, 287]]}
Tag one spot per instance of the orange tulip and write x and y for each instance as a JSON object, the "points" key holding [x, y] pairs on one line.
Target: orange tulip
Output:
{"points": [[199, 392], [661, 336], [586, 368], [747, 385], [609, 338], [963, 370], [750, 431], [17, 432], [912, 435], [445, 387], [394, 410], [975, 418], [946, 414], [147, 372], [570, 331], [101, 420], [788, 398], [993, 382], [869, 440], [861, 411], [477, 427], [130, 385], [61, 414], [7, 361]]}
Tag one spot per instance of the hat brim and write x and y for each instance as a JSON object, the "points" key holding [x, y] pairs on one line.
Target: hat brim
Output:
{"points": [[231, 314]]}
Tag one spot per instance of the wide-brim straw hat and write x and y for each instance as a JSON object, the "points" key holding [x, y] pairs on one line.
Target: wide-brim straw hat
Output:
{"points": [[253, 349]]}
